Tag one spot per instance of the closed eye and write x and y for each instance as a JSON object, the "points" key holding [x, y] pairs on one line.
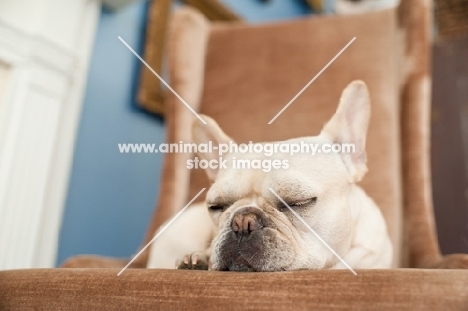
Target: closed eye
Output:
{"points": [[219, 204], [217, 208], [303, 202]]}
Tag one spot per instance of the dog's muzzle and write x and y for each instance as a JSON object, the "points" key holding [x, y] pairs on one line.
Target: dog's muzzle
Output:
{"points": [[252, 242]]}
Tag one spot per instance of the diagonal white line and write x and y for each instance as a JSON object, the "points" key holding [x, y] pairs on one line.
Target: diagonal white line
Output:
{"points": [[313, 79], [159, 77], [161, 231], [315, 233]]}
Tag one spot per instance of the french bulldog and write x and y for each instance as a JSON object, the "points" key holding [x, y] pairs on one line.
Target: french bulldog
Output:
{"points": [[245, 225]]}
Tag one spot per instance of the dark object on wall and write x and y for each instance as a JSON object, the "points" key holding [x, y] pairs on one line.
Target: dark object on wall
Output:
{"points": [[151, 94], [213, 10], [449, 148], [452, 18], [316, 5]]}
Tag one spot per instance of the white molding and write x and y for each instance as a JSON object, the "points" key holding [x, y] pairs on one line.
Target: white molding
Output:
{"points": [[16, 45], [40, 111], [55, 198]]}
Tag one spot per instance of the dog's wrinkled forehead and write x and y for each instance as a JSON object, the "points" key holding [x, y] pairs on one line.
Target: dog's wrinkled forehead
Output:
{"points": [[239, 185], [233, 185]]}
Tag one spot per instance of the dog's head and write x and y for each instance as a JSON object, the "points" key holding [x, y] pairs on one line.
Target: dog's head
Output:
{"points": [[255, 230]]}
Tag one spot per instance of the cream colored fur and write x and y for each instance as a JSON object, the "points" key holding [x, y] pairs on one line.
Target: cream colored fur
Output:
{"points": [[341, 214]]}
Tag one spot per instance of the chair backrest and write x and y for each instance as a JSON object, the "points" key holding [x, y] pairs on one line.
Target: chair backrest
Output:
{"points": [[251, 72], [243, 75]]}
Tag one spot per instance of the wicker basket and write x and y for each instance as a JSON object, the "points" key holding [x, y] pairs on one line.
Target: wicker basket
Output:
{"points": [[452, 18]]}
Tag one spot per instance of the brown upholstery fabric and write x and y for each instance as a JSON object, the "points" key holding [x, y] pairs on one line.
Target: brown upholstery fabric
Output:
{"points": [[187, 45], [90, 261], [421, 245], [138, 289]]}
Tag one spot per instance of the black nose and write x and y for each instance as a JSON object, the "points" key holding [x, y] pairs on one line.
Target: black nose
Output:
{"points": [[246, 221]]}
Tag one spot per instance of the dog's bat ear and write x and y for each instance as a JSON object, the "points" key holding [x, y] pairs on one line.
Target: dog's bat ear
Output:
{"points": [[349, 126], [203, 134]]}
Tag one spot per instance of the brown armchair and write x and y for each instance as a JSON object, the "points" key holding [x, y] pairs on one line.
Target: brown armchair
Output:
{"points": [[242, 75]]}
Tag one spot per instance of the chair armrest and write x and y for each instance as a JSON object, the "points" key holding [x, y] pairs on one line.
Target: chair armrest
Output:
{"points": [[95, 289]]}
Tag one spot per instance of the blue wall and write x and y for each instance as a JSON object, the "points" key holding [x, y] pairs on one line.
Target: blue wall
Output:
{"points": [[111, 195], [256, 11]]}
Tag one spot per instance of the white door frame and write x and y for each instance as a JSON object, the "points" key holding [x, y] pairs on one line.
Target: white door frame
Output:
{"points": [[40, 108]]}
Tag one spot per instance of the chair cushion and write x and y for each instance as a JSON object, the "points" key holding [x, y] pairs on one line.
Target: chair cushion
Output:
{"points": [[143, 289]]}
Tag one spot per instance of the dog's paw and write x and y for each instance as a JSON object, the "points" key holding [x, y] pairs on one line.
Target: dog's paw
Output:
{"points": [[194, 261]]}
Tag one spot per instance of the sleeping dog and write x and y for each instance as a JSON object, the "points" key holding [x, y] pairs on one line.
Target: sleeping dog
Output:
{"points": [[254, 220]]}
